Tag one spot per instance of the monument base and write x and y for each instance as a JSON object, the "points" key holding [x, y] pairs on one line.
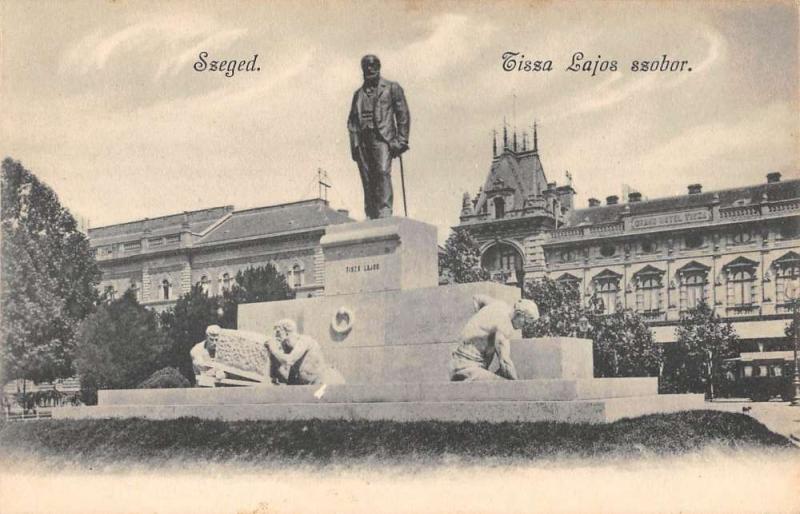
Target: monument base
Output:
{"points": [[567, 400]]}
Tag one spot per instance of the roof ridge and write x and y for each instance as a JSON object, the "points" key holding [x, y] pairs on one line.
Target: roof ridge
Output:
{"points": [[684, 195], [141, 220], [318, 201]]}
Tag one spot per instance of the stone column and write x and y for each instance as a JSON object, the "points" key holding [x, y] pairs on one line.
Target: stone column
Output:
{"points": [[319, 266], [145, 284], [186, 278]]}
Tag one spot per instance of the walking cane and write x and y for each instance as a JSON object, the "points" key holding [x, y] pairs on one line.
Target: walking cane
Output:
{"points": [[403, 185]]}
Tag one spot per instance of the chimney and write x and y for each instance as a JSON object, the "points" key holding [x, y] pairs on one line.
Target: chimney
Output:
{"points": [[773, 177], [343, 211], [594, 202], [695, 189], [634, 196], [612, 200]]}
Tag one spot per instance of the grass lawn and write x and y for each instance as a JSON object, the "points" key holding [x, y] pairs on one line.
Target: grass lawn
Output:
{"points": [[94, 442]]}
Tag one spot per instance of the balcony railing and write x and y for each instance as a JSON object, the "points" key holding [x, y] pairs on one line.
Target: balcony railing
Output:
{"points": [[607, 228], [652, 315], [743, 310], [785, 205], [744, 211]]}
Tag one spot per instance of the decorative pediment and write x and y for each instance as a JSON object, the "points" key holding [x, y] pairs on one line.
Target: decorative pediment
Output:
{"points": [[568, 277], [740, 262], [607, 274], [789, 258], [648, 271], [693, 266]]}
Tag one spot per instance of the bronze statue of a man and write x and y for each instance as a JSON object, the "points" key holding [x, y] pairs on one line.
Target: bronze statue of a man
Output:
{"points": [[379, 124]]}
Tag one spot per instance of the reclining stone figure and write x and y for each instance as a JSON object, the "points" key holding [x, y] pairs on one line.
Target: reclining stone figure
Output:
{"points": [[488, 333], [230, 357], [297, 359]]}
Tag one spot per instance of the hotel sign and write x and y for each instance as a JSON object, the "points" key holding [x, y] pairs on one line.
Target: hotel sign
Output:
{"points": [[675, 218]]}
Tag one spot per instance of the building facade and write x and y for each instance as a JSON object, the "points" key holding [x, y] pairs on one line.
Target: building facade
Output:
{"points": [[161, 258], [735, 249]]}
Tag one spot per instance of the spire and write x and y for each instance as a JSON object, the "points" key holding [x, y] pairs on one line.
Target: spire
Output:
{"points": [[494, 142], [535, 139], [505, 134], [524, 142], [515, 139]]}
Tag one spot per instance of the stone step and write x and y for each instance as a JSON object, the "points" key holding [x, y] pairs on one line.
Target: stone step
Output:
{"points": [[528, 390], [579, 411]]}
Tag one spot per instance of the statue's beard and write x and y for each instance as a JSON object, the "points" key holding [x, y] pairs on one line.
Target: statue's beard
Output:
{"points": [[371, 79]]}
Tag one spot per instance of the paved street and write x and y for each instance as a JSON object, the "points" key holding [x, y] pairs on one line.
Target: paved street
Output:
{"points": [[780, 417]]}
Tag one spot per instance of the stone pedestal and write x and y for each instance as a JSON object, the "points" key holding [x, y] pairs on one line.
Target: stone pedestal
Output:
{"points": [[394, 350], [394, 337], [388, 254]]}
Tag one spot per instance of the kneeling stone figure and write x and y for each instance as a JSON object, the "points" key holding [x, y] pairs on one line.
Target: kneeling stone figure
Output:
{"points": [[488, 333], [298, 359]]}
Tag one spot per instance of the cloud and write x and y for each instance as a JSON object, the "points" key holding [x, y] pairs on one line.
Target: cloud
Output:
{"points": [[183, 37], [170, 65]]}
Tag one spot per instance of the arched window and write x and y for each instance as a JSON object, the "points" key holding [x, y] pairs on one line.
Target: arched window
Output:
{"points": [[503, 262], [137, 292], [205, 284], [648, 290], [499, 208], [296, 276], [165, 289], [227, 281], [606, 285], [693, 280]]}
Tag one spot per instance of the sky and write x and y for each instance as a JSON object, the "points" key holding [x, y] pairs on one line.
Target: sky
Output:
{"points": [[102, 102]]}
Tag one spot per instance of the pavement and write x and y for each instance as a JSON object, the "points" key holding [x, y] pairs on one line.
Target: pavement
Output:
{"points": [[780, 417]]}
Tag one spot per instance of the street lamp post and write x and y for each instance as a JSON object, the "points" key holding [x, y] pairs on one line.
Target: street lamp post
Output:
{"points": [[793, 292]]}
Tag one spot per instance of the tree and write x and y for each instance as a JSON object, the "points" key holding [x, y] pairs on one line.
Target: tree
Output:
{"points": [[559, 309], [186, 322], [623, 344], [261, 284], [461, 260], [694, 362], [49, 279], [790, 330], [119, 345]]}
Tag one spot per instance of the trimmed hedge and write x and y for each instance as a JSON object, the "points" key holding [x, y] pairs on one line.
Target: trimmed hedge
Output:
{"points": [[165, 378], [89, 442]]}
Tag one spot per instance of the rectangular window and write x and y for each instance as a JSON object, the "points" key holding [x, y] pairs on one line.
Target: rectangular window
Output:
{"points": [[692, 290], [648, 296], [607, 290]]}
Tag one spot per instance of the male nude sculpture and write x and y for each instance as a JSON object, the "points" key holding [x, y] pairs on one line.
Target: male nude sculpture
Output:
{"points": [[299, 357], [488, 333]]}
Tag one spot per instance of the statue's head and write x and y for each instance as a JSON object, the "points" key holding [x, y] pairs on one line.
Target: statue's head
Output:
{"points": [[371, 66], [524, 309], [284, 329], [212, 335]]}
